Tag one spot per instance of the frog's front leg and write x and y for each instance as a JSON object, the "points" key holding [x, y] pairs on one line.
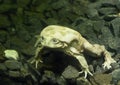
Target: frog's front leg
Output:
{"points": [[84, 65], [37, 58]]}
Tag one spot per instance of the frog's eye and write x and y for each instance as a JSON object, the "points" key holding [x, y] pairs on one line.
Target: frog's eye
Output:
{"points": [[54, 40], [41, 38]]}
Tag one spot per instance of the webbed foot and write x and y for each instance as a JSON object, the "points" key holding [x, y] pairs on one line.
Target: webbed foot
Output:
{"points": [[36, 61], [108, 60], [86, 71], [107, 63]]}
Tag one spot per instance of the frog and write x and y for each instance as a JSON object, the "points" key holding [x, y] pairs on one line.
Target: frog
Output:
{"points": [[70, 42]]}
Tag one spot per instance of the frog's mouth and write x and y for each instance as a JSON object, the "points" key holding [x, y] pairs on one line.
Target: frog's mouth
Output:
{"points": [[55, 46]]}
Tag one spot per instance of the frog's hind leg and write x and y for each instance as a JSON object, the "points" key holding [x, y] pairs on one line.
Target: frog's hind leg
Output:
{"points": [[100, 50], [84, 65]]}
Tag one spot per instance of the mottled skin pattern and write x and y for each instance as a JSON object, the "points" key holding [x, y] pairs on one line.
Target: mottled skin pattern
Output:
{"points": [[72, 43]]}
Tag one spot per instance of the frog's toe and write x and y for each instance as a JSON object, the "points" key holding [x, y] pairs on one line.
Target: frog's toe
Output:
{"points": [[36, 61], [86, 72], [107, 64]]}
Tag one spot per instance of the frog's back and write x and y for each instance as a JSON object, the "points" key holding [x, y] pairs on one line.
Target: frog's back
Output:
{"points": [[61, 29], [60, 32]]}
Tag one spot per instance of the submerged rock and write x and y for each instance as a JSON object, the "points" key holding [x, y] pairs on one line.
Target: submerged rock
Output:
{"points": [[21, 20], [14, 74], [3, 36], [13, 64], [82, 81], [101, 79], [4, 21], [116, 76], [61, 80], [2, 67], [70, 72], [107, 10], [116, 27], [48, 77]]}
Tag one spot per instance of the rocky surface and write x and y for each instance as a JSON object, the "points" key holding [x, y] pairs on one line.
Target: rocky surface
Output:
{"points": [[21, 20]]}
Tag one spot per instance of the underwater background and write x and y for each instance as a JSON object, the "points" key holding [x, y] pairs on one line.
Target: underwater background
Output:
{"points": [[21, 20]]}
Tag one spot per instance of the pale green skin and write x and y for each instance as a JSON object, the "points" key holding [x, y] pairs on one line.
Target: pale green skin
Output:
{"points": [[11, 54], [72, 43]]}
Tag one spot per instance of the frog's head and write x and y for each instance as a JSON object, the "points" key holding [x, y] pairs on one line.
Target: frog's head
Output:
{"points": [[51, 42], [52, 38]]}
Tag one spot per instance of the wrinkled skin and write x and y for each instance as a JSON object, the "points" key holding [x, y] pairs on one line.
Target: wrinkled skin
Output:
{"points": [[72, 43]]}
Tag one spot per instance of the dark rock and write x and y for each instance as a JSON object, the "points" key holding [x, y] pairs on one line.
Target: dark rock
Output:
{"points": [[82, 81], [48, 77], [101, 79], [91, 68], [70, 72], [21, 46], [25, 70], [87, 29], [118, 5], [51, 21], [4, 22], [41, 7], [7, 7], [97, 25], [61, 81], [107, 10], [115, 65], [78, 21], [92, 13], [98, 69], [2, 49], [118, 83], [17, 19], [119, 62], [115, 76], [95, 5], [28, 52], [93, 0], [106, 37], [113, 34], [109, 3], [12, 31], [2, 67], [114, 43], [7, 81], [59, 4], [20, 27], [23, 3], [3, 36], [33, 20], [109, 17], [8, 1], [14, 74], [116, 27], [13, 64], [117, 57], [1, 1], [21, 31]]}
